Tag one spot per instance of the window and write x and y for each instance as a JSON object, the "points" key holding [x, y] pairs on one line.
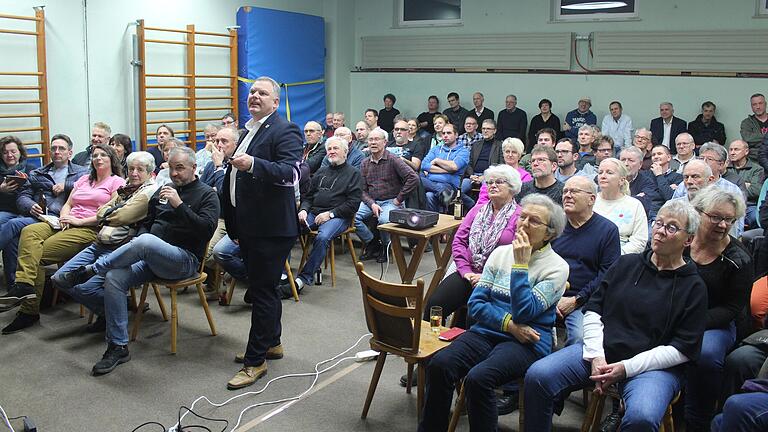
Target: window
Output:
{"points": [[762, 9], [594, 10], [427, 13]]}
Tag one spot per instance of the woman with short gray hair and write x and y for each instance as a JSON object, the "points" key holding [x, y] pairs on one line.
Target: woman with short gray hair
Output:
{"points": [[513, 149], [726, 268]]}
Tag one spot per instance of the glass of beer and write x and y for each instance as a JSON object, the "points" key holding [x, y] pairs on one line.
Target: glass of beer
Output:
{"points": [[435, 318]]}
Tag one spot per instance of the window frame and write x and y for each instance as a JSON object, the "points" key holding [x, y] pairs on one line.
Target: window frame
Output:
{"points": [[399, 18], [761, 9], [557, 17]]}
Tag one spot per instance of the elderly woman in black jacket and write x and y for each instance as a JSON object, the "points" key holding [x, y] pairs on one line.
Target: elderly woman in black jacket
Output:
{"points": [[13, 165], [726, 268]]}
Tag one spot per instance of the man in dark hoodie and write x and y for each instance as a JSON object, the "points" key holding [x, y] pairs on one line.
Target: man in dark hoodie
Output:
{"points": [[706, 128], [645, 320], [330, 205]]}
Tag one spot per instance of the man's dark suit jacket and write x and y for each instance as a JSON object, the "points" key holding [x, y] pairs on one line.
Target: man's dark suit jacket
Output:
{"points": [[657, 131], [266, 206]]}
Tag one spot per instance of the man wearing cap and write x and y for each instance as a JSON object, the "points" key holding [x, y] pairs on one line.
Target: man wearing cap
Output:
{"points": [[579, 117]]}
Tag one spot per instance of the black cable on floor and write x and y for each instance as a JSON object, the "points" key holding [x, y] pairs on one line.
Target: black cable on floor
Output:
{"points": [[183, 428], [149, 423]]}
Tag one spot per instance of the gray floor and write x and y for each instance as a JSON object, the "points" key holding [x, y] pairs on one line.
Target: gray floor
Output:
{"points": [[45, 371]]}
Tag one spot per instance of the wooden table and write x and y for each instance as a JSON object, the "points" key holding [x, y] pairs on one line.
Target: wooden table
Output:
{"points": [[445, 225]]}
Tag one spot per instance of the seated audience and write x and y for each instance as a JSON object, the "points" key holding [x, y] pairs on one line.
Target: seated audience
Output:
{"points": [[410, 151], [338, 121], [706, 128], [664, 175], [229, 120], [162, 134], [314, 149], [615, 203], [579, 117], [511, 121], [567, 156], [513, 148], [442, 168], [455, 112], [387, 114], [753, 130], [100, 133], [618, 126], [590, 245], [588, 137], [170, 245], [361, 136], [426, 118], [328, 128], [726, 268], [41, 244], [119, 220], [545, 119], [666, 127], [629, 342], [13, 163], [543, 167], [203, 156], [546, 137], [749, 171], [471, 135], [386, 181], [603, 150], [641, 183], [330, 205], [163, 176], [643, 141], [355, 157], [685, 145], [122, 146], [480, 113], [513, 305], [715, 157], [744, 363], [482, 154], [438, 123], [746, 412], [370, 117]]}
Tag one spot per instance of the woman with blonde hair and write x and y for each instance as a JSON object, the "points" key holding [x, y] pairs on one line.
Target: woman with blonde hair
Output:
{"points": [[615, 203]]}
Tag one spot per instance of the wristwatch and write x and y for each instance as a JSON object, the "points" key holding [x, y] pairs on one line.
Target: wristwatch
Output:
{"points": [[331, 215]]}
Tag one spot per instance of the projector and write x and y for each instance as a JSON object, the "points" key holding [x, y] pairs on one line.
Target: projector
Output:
{"points": [[413, 218]]}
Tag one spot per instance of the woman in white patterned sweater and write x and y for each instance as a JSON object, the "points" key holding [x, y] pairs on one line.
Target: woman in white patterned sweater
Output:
{"points": [[615, 203]]}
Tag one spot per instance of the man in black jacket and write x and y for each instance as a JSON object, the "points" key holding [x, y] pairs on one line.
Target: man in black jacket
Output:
{"points": [[330, 205], [706, 128], [170, 245]]}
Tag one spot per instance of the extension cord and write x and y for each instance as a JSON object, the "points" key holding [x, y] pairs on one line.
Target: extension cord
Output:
{"points": [[367, 355], [29, 425]]}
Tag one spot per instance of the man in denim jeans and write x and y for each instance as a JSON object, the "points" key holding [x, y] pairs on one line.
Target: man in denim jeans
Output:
{"points": [[171, 242]]}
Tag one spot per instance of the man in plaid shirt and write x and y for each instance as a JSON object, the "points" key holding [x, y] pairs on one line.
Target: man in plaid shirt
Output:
{"points": [[471, 135], [386, 182]]}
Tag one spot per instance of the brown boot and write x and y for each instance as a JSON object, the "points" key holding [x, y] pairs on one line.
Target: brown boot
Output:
{"points": [[273, 353], [247, 376]]}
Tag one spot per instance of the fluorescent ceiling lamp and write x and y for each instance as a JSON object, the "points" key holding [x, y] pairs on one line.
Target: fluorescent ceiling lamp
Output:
{"points": [[596, 5]]}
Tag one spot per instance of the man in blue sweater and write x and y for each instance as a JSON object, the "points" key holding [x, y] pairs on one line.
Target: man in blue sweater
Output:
{"points": [[590, 246], [442, 168], [579, 117]]}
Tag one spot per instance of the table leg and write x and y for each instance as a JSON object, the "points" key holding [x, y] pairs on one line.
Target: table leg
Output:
{"points": [[442, 256], [407, 269]]}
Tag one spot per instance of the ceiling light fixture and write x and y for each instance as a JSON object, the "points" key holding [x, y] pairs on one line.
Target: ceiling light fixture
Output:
{"points": [[596, 5]]}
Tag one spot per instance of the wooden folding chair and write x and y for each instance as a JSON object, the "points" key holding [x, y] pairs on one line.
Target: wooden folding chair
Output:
{"points": [[331, 255], [173, 286], [397, 328]]}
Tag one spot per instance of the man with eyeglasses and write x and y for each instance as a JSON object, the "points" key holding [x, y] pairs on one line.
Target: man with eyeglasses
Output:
{"points": [[749, 171], [483, 153], [470, 136], [643, 140], [543, 167], [590, 245], [635, 344], [567, 153], [685, 145], [355, 157], [314, 150]]}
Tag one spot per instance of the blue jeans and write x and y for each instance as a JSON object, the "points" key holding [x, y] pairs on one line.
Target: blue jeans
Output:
{"points": [[433, 191], [485, 364], [9, 244], [91, 292], [705, 376], [143, 259], [750, 218], [558, 374], [574, 327], [326, 232], [747, 412], [466, 188], [227, 254], [365, 212]]}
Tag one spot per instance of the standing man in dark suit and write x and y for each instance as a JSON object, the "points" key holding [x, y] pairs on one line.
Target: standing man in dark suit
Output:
{"points": [[666, 127], [260, 213]]}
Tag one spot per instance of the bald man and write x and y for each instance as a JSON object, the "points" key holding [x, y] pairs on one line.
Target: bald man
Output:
{"points": [[749, 171]]}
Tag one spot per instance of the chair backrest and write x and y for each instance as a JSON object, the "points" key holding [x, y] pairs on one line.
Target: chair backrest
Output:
{"points": [[394, 323]]}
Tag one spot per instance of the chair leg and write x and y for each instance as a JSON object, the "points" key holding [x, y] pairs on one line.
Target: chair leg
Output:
{"points": [[667, 423], [207, 310], [333, 265], [174, 320], [90, 318], [55, 297], [374, 382], [133, 298], [139, 314], [409, 380], [420, 383], [160, 302], [304, 250], [291, 281], [351, 250], [520, 406], [457, 409], [82, 311], [231, 291]]}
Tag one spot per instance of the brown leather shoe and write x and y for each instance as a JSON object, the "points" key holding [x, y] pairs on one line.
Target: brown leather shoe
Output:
{"points": [[274, 353], [247, 376]]}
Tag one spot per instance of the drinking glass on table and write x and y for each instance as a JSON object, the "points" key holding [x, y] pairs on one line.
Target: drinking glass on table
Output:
{"points": [[435, 318]]}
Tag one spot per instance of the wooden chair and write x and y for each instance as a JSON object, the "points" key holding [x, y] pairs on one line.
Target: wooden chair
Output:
{"points": [[594, 413], [173, 286], [331, 255], [291, 282], [397, 328], [459, 407]]}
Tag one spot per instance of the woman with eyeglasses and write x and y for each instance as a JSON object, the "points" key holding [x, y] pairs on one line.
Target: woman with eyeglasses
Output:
{"points": [[615, 203], [513, 305], [726, 268]]}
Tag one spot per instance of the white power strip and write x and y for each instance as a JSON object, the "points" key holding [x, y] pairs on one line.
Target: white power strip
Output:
{"points": [[364, 356]]}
